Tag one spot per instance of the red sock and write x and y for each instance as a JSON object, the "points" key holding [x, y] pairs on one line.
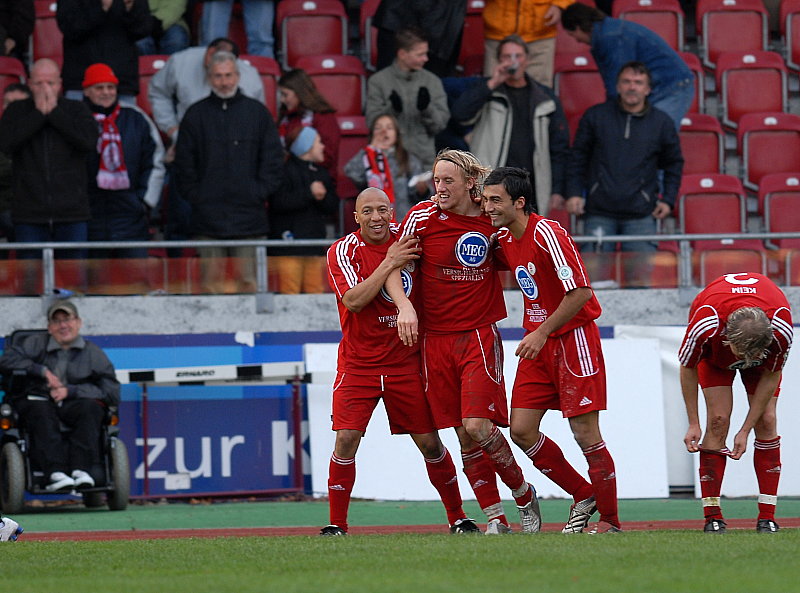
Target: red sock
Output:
{"points": [[549, 459], [767, 461], [482, 478], [604, 481], [341, 477], [497, 449], [442, 474], [712, 470]]}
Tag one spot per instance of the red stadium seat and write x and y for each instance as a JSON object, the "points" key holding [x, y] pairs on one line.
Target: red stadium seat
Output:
{"points": [[342, 80], [578, 85], [779, 201], [470, 57], [750, 82], [664, 17], [148, 66], [699, 81], [310, 28], [730, 25], [790, 32], [11, 71], [368, 33], [270, 73], [718, 262], [702, 144], [46, 41], [768, 143], [354, 137]]}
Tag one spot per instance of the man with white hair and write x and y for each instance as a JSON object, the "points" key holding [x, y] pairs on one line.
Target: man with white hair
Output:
{"points": [[739, 322], [229, 161]]}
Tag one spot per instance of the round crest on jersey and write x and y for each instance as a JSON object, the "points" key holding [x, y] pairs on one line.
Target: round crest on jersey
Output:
{"points": [[526, 283], [472, 249], [408, 284]]}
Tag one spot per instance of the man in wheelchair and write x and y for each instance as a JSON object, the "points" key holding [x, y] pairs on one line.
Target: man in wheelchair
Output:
{"points": [[66, 380]]}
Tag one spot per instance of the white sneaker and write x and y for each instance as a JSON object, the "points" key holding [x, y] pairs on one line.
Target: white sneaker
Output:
{"points": [[530, 517], [82, 479], [496, 527], [9, 530], [60, 482]]}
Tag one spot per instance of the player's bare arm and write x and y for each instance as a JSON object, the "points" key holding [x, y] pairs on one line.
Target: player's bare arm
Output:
{"points": [[764, 392], [689, 386], [397, 256], [407, 322], [570, 305]]}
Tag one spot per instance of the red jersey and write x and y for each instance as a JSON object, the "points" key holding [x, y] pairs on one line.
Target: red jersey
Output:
{"points": [[546, 265], [709, 313], [461, 289], [370, 344]]}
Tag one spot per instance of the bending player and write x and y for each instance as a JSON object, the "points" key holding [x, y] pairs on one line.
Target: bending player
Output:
{"points": [[561, 361], [9, 530], [462, 354], [739, 322], [372, 362]]}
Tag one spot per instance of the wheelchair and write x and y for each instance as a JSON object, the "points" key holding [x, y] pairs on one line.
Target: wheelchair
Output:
{"points": [[18, 473]]}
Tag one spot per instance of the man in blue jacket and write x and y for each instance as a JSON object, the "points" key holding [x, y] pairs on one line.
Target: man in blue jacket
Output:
{"points": [[612, 178], [615, 42]]}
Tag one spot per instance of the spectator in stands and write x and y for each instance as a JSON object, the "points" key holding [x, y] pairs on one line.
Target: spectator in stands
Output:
{"points": [[300, 209], [13, 92], [441, 23], [259, 16], [412, 94], [169, 32], [534, 22], [67, 380], [228, 161], [384, 163], [303, 105], [180, 83], [17, 18], [615, 42], [126, 172], [48, 137], [102, 31], [518, 123], [612, 177]]}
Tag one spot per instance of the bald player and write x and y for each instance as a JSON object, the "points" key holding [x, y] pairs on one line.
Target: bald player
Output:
{"points": [[739, 322], [374, 364]]}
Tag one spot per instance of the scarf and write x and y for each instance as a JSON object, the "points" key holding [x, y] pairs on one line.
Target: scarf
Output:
{"points": [[289, 122], [112, 173], [379, 175]]}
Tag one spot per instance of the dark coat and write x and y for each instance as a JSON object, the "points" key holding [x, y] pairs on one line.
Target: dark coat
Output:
{"points": [[49, 153], [228, 161], [92, 35], [293, 210], [615, 159]]}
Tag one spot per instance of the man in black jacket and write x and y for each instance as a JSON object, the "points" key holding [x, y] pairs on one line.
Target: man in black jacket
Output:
{"points": [[67, 380], [613, 179], [228, 161], [48, 138]]}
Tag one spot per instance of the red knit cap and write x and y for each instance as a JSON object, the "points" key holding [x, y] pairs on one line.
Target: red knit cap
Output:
{"points": [[99, 73]]}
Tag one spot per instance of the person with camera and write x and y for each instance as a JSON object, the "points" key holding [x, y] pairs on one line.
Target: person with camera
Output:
{"points": [[518, 123]]}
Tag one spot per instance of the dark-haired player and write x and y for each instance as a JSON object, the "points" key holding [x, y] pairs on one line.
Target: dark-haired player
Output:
{"points": [[560, 359], [738, 322]]}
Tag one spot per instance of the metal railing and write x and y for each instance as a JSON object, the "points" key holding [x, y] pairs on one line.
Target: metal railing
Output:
{"points": [[264, 296]]}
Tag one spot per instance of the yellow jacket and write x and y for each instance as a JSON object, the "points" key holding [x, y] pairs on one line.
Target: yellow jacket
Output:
{"points": [[523, 17]]}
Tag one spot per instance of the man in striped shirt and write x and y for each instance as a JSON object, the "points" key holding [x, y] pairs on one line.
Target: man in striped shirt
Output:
{"points": [[374, 364], [560, 358], [738, 322]]}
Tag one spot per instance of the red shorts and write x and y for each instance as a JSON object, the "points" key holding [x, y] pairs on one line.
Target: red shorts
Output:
{"points": [[355, 398], [463, 375], [709, 375], [568, 374]]}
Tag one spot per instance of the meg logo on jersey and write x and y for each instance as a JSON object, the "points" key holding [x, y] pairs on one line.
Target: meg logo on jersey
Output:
{"points": [[526, 283], [472, 249]]}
